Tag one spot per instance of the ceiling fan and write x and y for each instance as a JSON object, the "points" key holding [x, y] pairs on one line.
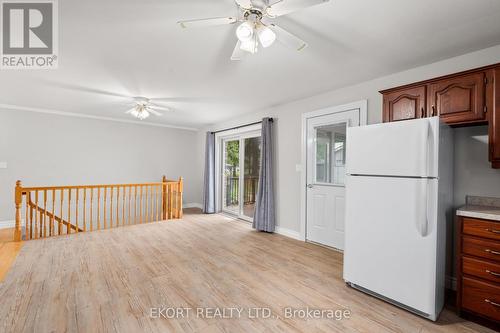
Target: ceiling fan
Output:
{"points": [[144, 108], [254, 29]]}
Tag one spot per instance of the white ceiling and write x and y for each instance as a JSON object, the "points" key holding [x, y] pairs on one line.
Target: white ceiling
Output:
{"points": [[135, 48]]}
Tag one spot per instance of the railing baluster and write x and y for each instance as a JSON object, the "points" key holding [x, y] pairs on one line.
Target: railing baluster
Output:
{"points": [[52, 226], [68, 227], [158, 189], [33, 235], [91, 209], [26, 218], [117, 206], [36, 215], [171, 199], [181, 189], [111, 208], [61, 212], [140, 207], [44, 213], [105, 206], [123, 205], [84, 209], [98, 208], [147, 208], [76, 209], [135, 205], [129, 196]]}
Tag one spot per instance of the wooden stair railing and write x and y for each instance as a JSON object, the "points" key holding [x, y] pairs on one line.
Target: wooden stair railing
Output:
{"points": [[57, 210], [52, 217]]}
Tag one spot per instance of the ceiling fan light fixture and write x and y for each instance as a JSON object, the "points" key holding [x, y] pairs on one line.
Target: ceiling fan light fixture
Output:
{"points": [[140, 112], [245, 32], [266, 36], [250, 46]]}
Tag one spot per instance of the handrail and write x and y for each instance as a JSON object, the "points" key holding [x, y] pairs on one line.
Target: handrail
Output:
{"points": [[57, 218], [41, 188], [57, 210]]}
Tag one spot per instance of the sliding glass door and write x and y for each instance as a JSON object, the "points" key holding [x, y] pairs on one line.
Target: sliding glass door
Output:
{"points": [[231, 177], [240, 174]]}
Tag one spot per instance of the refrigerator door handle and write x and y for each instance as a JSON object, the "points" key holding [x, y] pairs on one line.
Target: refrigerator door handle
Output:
{"points": [[423, 218], [425, 148]]}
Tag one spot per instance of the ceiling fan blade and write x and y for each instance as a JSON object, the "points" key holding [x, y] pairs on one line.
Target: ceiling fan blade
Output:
{"points": [[284, 7], [238, 53], [245, 4], [130, 111], [288, 39], [159, 107], [208, 22], [156, 113]]}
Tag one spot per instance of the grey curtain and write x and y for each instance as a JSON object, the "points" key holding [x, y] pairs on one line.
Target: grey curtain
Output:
{"points": [[209, 175], [264, 217]]}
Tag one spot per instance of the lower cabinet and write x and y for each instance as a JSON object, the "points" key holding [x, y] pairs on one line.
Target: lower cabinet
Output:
{"points": [[478, 270]]}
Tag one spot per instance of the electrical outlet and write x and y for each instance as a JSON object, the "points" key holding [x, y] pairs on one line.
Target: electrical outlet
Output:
{"points": [[3, 165]]}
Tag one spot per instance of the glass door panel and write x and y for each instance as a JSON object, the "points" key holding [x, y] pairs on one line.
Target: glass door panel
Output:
{"points": [[251, 169], [231, 176], [330, 154]]}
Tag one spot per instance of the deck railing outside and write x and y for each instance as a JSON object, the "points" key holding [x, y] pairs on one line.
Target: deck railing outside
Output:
{"points": [[233, 190], [56, 210]]}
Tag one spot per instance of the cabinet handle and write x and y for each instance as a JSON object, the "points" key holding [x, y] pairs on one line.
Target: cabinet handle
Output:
{"points": [[491, 302], [433, 111], [493, 273], [422, 113], [493, 231], [492, 252]]}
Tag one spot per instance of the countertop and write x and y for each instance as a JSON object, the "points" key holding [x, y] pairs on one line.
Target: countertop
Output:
{"points": [[481, 208]]}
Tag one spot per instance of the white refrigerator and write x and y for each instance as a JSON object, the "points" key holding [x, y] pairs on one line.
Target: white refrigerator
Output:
{"points": [[399, 193]]}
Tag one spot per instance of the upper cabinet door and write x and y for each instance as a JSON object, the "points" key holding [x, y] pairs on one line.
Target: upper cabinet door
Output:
{"points": [[494, 105], [405, 104], [459, 99]]}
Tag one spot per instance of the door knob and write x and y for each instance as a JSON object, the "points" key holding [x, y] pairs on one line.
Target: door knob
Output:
{"points": [[310, 186]]}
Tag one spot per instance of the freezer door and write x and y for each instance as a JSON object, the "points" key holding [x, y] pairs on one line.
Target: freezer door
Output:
{"points": [[390, 245], [405, 148]]}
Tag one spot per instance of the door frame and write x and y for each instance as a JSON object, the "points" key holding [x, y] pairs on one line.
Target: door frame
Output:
{"points": [[362, 107], [240, 133]]}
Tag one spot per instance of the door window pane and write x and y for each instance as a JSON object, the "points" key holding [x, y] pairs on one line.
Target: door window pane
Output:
{"points": [[330, 154], [231, 188], [251, 174]]}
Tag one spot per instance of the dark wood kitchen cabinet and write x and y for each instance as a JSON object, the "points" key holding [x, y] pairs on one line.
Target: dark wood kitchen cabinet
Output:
{"points": [[493, 102], [405, 104], [478, 270], [459, 99], [462, 99]]}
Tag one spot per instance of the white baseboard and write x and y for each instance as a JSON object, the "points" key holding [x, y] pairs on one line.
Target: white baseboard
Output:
{"points": [[288, 233], [193, 205], [9, 224], [451, 282]]}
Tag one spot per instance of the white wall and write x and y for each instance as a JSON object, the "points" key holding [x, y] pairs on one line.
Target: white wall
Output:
{"points": [[473, 174], [43, 149], [288, 131]]}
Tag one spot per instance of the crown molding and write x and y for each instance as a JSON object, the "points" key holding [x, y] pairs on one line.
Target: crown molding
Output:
{"points": [[81, 115]]}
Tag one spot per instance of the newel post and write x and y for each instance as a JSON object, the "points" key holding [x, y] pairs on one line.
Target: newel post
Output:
{"points": [[181, 187], [164, 198], [18, 200]]}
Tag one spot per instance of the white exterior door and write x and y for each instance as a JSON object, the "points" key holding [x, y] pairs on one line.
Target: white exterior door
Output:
{"points": [[326, 156]]}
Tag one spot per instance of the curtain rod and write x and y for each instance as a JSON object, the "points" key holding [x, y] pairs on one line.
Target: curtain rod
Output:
{"points": [[241, 126]]}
